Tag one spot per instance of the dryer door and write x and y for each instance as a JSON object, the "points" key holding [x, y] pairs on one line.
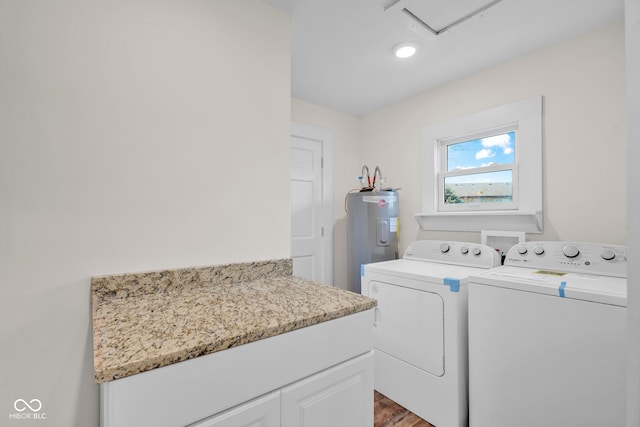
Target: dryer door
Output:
{"points": [[409, 325]]}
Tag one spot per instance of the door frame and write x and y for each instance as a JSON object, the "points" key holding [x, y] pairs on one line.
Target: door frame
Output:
{"points": [[325, 137]]}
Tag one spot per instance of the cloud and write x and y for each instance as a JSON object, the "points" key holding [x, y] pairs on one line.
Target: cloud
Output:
{"points": [[484, 154], [503, 141]]}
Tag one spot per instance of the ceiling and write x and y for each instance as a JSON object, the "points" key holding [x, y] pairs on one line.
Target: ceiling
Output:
{"points": [[342, 49]]}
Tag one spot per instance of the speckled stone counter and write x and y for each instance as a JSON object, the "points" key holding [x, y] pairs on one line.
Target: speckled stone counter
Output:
{"points": [[144, 321]]}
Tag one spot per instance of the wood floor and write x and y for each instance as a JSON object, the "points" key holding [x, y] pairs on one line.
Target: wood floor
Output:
{"points": [[388, 413]]}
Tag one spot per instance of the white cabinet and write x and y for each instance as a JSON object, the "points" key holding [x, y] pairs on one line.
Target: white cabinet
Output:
{"points": [[341, 396], [320, 372], [261, 412], [338, 397]]}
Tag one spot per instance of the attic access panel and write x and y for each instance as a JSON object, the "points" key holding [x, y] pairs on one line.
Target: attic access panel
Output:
{"points": [[438, 16]]}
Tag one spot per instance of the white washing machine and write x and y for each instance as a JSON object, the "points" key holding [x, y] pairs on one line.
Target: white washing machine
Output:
{"points": [[547, 335], [420, 334]]}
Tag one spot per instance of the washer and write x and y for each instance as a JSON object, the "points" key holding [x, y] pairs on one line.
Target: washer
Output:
{"points": [[420, 333], [547, 337]]}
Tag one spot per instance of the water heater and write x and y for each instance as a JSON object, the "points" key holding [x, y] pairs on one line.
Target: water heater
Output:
{"points": [[372, 231]]}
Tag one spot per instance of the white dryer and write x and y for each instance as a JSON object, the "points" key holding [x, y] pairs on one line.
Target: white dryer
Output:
{"points": [[420, 333], [547, 336]]}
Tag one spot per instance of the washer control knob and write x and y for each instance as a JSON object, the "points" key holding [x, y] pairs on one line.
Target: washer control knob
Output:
{"points": [[570, 251], [464, 250], [476, 251], [522, 250], [444, 248], [608, 254], [538, 250]]}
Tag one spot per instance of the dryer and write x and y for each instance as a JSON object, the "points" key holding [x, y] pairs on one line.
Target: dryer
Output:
{"points": [[420, 333], [547, 337]]}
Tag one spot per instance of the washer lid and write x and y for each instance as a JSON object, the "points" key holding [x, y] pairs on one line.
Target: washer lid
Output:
{"points": [[586, 287], [432, 272]]}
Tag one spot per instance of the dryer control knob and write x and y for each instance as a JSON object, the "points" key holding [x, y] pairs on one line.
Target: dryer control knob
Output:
{"points": [[608, 254], [444, 248], [464, 250], [522, 250], [570, 251], [538, 250], [476, 251]]}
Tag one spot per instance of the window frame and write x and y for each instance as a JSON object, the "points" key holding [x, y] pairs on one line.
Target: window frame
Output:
{"points": [[525, 212]]}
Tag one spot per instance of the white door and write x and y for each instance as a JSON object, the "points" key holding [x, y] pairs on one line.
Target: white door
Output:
{"points": [[409, 325], [261, 412], [306, 208], [341, 396]]}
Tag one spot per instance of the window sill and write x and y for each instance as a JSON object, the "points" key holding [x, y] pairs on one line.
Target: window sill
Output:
{"points": [[529, 222]]}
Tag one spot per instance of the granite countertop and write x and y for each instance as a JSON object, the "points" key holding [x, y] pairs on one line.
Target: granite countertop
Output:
{"points": [[144, 321]]}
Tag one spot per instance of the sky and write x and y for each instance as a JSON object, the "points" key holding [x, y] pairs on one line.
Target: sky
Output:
{"points": [[499, 149]]}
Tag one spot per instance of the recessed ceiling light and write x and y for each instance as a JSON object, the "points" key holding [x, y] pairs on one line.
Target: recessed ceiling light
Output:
{"points": [[405, 50]]}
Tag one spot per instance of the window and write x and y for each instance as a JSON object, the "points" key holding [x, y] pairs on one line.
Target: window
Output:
{"points": [[486, 166], [478, 173]]}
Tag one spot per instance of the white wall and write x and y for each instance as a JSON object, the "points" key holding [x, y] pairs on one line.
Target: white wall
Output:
{"points": [[632, 46], [346, 167], [584, 170], [584, 140], [134, 135]]}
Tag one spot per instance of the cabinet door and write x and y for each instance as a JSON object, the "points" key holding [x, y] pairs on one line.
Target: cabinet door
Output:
{"points": [[261, 412], [341, 396]]}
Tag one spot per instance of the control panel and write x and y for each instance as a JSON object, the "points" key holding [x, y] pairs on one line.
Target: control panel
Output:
{"points": [[450, 252], [591, 258]]}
